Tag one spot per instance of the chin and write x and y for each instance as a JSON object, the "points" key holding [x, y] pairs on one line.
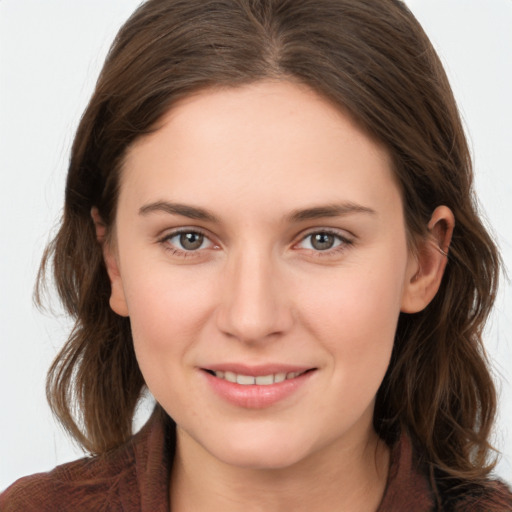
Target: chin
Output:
{"points": [[260, 451], [257, 459]]}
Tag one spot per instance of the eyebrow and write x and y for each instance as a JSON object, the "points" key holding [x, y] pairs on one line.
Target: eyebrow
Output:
{"points": [[330, 210], [317, 212], [192, 212]]}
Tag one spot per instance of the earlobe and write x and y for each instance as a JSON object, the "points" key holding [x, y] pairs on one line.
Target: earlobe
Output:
{"points": [[117, 296], [426, 266]]}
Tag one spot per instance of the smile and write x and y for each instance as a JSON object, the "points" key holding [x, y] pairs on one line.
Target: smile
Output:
{"points": [[260, 380], [257, 388]]}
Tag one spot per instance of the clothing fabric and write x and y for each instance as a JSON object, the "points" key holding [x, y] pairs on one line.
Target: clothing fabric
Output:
{"points": [[135, 478]]}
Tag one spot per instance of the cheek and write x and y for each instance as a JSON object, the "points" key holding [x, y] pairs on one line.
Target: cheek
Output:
{"points": [[359, 305], [167, 311], [355, 321]]}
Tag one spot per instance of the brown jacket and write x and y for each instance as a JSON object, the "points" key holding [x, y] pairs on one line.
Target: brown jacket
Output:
{"points": [[136, 476]]}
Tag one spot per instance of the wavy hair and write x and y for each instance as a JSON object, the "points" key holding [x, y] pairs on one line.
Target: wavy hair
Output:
{"points": [[370, 57]]}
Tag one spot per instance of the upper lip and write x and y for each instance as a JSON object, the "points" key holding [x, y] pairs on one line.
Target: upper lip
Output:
{"points": [[256, 370]]}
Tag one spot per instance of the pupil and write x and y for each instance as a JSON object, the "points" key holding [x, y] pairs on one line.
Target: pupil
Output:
{"points": [[191, 241], [322, 241]]}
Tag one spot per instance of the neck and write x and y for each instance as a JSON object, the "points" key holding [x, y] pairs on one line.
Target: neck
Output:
{"points": [[344, 476]]}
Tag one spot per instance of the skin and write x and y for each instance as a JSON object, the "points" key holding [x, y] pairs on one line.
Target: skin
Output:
{"points": [[258, 291]]}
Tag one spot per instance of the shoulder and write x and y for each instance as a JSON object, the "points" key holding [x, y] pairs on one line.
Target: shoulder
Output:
{"points": [[120, 480], [413, 487], [492, 496], [93, 483]]}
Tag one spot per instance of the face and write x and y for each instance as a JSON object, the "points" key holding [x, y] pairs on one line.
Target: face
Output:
{"points": [[260, 252]]}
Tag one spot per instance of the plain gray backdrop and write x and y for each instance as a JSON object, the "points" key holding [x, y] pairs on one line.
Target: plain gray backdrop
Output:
{"points": [[50, 55]]}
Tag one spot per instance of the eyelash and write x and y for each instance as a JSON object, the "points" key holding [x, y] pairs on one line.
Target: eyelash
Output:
{"points": [[344, 244], [165, 242]]}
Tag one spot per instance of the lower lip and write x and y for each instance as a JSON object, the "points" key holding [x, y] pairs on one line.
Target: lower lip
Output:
{"points": [[254, 396]]}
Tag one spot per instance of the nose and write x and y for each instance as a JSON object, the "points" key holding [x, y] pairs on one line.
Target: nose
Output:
{"points": [[254, 304]]}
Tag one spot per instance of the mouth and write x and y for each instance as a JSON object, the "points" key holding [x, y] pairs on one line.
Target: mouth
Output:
{"points": [[257, 387], [258, 380]]}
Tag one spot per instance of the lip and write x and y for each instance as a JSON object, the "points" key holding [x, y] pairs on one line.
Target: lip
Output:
{"points": [[256, 396]]}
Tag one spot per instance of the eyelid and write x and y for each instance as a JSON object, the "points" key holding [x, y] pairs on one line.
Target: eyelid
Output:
{"points": [[341, 233]]}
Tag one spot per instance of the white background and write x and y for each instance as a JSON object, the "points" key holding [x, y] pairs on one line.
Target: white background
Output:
{"points": [[50, 54]]}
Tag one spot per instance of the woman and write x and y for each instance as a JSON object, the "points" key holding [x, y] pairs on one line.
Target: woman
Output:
{"points": [[269, 223]]}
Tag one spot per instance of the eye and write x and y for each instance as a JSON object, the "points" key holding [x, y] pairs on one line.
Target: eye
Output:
{"points": [[323, 241], [188, 241]]}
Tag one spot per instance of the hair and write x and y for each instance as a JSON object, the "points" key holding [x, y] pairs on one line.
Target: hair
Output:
{"points": [[372, 59]]}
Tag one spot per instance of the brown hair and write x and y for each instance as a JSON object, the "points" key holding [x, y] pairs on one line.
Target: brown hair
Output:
{"points": [[371, 58]]}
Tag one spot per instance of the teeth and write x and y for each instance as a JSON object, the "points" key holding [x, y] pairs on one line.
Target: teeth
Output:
{"points": [[229, 376], [262, 380], [265, 380], [279, 377], [246, 380]]}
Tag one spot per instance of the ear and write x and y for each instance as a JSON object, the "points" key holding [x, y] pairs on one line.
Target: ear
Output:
{"points": [[426, 266], [117, 296]]}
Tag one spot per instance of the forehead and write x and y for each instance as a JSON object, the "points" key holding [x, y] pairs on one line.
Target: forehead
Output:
{"points": [[274, 140]]}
